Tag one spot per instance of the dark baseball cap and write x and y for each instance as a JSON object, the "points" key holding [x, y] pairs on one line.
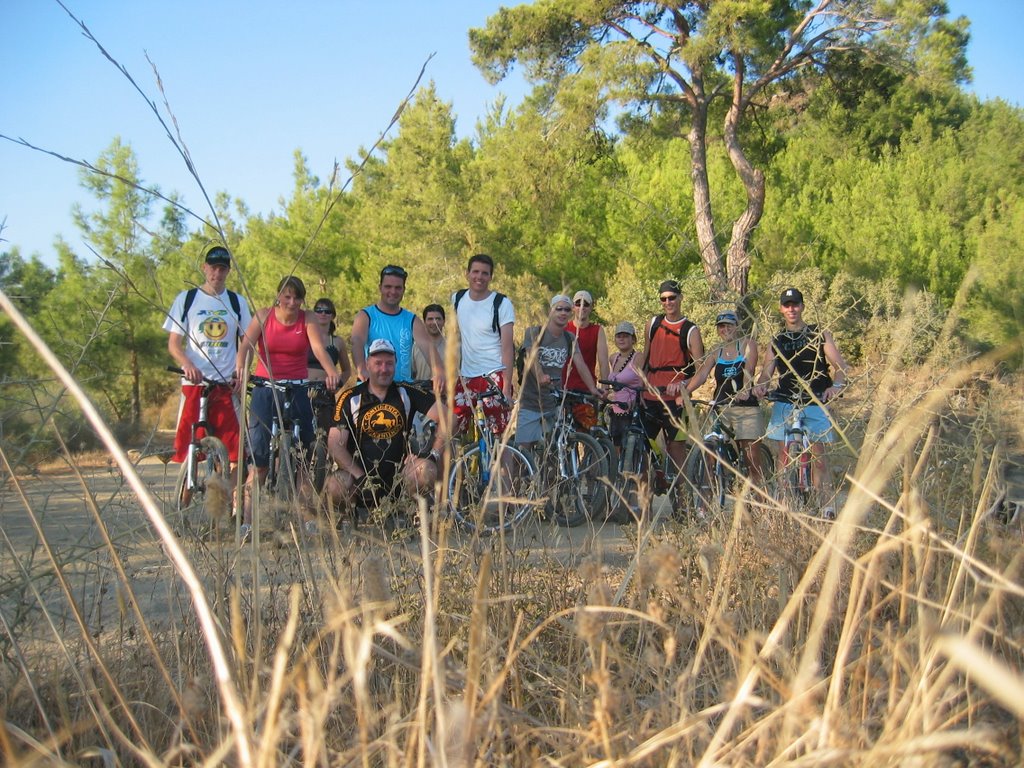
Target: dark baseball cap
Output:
{"points": [[791, 296], [218, 255], [670, 285]]}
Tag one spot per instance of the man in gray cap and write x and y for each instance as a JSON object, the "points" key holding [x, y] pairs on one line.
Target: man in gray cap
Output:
{"points": [[548, 350], [593, 345]]}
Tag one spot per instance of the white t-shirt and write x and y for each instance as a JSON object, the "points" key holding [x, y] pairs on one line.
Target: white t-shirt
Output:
{"points": [[481, 345], [211, 332]]}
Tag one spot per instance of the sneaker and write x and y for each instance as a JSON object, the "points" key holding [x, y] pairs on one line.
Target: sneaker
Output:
{"points": [[310, 528], [244, 532], [828, 513]]}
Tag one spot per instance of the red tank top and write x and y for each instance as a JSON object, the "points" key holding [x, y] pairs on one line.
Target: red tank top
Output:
{"points": [[666, 360], [588, 348], [282, 349]]}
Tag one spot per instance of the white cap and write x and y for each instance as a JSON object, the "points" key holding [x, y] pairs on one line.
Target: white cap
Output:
{"points": [[379, 347]]}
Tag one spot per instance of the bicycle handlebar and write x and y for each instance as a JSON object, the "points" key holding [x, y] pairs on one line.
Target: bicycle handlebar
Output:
{"points": [[206, 381]]}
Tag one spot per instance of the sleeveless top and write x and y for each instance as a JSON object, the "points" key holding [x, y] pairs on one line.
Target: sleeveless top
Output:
{"points": [[800, 357], [332, 352], [666, 360], [397, 329], [282, 349], [587, 343], [622, 399], [729, 378]]}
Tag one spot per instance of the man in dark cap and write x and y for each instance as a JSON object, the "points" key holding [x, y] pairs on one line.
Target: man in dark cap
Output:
{"points": [[673, 347], [203, 326], [805, 357]]}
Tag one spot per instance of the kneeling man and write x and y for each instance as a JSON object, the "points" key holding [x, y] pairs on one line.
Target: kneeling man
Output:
{"points": [[369, 439]]}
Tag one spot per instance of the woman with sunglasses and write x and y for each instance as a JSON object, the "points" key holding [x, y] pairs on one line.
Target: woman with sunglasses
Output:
{"points": [[593, 345], [323, 404]]}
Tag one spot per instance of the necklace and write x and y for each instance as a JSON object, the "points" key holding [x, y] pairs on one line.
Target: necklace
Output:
{"points": [[628, 361]]}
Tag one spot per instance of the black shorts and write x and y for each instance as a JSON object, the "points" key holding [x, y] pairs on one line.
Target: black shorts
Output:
{"points": [[664, 417]]}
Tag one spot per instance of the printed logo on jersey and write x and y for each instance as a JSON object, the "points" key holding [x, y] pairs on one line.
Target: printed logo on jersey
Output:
{"points": [[214, 328], [381, 422]]}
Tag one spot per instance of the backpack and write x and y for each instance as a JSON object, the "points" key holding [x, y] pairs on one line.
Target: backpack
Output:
{"points": [[236, 306], [523, 350], [689, 365], [498, 298]]}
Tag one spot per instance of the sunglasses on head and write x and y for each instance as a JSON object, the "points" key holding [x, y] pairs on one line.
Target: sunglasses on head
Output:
{"points": [[324, 311], [671, 297], [392, 271], [581, 303]]}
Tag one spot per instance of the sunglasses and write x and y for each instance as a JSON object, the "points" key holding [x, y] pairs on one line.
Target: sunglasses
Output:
{"points": [[581, 303], [672, 297], [324, 311], [392, 271], [563, 309]]}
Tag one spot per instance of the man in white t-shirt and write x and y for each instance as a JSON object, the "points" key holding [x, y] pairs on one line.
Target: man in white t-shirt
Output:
{"points": [[485, 320], [203, 326]]}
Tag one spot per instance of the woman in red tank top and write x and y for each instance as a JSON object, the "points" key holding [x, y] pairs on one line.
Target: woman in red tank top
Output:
{"points": [[282, 336]]}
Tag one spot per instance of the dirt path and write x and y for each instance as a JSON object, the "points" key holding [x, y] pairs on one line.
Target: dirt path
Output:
{"points": [[69, 529]]}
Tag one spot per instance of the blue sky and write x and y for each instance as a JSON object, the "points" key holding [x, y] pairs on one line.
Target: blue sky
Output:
{"points": [[251, 81]]}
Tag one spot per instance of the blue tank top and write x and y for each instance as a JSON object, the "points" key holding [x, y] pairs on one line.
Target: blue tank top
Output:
{"points": [[729, 379], [398, 330]]}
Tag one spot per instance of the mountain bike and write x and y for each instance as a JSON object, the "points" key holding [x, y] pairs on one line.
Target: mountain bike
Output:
{"points": [[643, 470], [206, 461], [712, 469], [286, 455], [796, 453], [489, 481], [319, 460], [572, 470]]}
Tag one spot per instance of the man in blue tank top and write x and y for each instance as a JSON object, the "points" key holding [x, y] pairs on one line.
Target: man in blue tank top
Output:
{"points": [[388, 320]]}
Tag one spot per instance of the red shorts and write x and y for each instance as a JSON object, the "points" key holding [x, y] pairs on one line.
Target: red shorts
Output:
{"points": [[466, 391], [220, 416]]}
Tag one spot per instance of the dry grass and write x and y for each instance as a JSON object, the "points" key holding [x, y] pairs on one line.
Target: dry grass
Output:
{"points": [[889, 637]]}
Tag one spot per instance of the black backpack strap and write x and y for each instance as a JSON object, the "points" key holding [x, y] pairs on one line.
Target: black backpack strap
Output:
{"points": [[498, 298], [190, 299], [236, 306], [458, 297]]}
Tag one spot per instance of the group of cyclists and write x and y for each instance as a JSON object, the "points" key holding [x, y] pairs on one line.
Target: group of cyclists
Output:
{"points": [[213, 337]]}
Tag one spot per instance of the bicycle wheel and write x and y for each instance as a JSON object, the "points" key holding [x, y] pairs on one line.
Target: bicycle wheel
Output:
{"points": [[488, 499], [633, 477], [796, 475], [581, 494], [319, 461], [706, 484], [211, 469]]}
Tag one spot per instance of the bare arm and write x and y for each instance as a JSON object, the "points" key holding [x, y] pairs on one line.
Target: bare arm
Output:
{"points": [[838, 362], [707, 364], [584, 372], [508, 354], [176, 349], [343, 363], [337, 446], [645, 356], [247, 344], [602, 354], [749, 366], [360, 332], [316, 343], [767, 371], [426, 347]]}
